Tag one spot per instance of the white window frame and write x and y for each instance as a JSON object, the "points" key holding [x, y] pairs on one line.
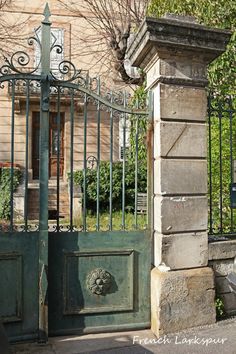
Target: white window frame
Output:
{"points": [[121, 138], [56, 58]]}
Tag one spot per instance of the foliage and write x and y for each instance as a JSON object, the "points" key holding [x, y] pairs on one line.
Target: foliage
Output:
{"points": [[138, 129], [116, 221], [222, 79], [137, 153], [219, 304], [222, 153], [110, 24], [5, 190], [217, 13], [104, 195]]}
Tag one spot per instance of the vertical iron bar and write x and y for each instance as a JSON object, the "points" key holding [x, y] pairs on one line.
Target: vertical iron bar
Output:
{"points": [[44, 175], [210, 164], [12, 156], [221, 176], [71, 157], [136, 171], [123, 169], [58, 154], [26, 156], [136, 175], [150, 166], [111, 165], [85, 165], [231, 159], [98, 155]]}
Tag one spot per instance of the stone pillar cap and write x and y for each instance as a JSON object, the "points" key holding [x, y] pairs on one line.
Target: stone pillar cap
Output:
{"points": [[175, 33]]}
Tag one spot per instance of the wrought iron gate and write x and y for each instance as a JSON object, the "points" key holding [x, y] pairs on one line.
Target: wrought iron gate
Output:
{"points": [[75, 247], [222, 165]]}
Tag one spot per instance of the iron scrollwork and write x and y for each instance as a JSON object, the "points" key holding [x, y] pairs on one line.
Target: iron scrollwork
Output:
{"points": [[92, 162], [66, 72], [19, 61]]}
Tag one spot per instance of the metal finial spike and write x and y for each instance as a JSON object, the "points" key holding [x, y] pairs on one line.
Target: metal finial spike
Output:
{"points": [[46, 13]]}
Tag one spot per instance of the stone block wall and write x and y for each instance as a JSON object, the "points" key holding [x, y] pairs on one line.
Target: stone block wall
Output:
{"points": [[174, 54], [221, 259]]}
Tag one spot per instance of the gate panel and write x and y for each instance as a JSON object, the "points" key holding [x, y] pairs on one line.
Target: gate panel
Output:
{"points": [[98, 281], [96, 275], [19, 284]]}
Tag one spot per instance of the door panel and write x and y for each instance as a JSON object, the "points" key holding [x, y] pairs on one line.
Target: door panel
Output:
{"points": [[98, 281], [19, 284], [53, 145]]}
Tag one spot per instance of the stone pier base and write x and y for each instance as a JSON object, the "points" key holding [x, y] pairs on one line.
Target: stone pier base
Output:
{"points": [[181, 299]]}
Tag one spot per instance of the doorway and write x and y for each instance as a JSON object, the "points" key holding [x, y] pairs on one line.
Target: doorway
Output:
{"points": [[54, 152]]}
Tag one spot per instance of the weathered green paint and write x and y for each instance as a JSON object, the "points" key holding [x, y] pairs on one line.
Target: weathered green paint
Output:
{"points": [[43, 177], [126, 304], [19, 284]]}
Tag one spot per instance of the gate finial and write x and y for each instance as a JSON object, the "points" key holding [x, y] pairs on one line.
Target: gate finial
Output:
{"points": [[46, 14]]}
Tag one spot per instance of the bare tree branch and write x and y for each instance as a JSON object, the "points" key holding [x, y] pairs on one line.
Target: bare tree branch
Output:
{"points": [[12, 33], [111, 23]]}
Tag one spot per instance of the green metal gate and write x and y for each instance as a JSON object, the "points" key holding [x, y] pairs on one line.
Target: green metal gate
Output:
{"points": [[83, 265]]}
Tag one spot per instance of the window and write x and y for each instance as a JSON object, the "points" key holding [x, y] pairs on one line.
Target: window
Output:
{"points": [[57, 36], [123, 144]]}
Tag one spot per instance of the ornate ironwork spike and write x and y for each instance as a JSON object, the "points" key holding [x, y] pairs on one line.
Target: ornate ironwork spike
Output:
{"points": [[46, 14]]}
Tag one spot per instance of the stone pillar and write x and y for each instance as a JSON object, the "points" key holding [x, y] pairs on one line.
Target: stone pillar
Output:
{"points": [[174, 52]]}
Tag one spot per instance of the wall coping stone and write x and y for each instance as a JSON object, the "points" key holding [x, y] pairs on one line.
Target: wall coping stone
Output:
{"points": [[177, 33], [222, 250]]}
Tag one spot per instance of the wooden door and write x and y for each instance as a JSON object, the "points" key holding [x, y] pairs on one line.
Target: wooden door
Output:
{"points": [[53, 145]]}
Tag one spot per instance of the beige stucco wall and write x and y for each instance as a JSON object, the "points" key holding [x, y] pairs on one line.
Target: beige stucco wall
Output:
{"points": [[75, 30]]}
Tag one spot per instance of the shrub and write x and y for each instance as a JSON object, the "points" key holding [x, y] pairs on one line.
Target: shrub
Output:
{"points": [[220, 309], [5, 190], [104, 196]]}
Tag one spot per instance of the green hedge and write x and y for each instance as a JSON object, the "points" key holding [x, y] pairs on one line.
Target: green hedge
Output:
{"points": [[5, 190], [91, 182]]}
